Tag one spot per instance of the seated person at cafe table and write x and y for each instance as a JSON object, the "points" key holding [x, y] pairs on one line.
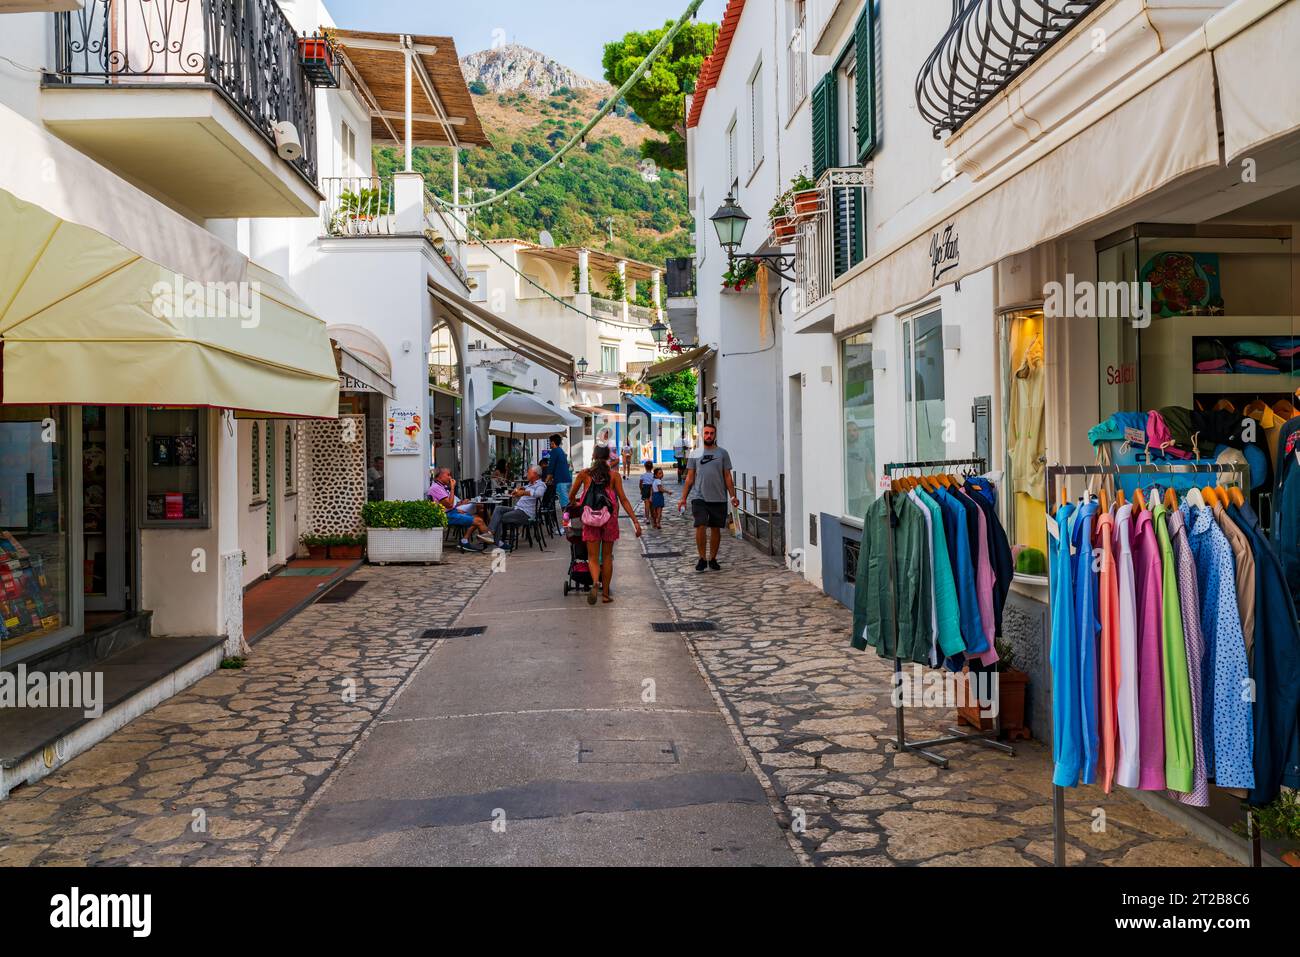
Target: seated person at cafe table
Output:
{"points": [[525, 510], [460, 513]]}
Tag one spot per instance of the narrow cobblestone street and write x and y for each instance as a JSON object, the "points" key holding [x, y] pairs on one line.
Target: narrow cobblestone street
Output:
{"points": [[445, 736]]}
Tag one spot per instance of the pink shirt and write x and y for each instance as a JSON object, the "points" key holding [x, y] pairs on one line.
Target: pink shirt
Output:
{"points": [[1128, 756], [1151, 695], [438, 491], [984, 582]]}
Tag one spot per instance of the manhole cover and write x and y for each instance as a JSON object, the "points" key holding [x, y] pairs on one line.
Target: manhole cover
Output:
{"points": [[683, 626], [663, 554], [432, 633], [626, 751], [340, 592]]}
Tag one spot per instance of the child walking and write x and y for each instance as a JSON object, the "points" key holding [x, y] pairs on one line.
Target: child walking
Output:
{"points": [[657, 499]]}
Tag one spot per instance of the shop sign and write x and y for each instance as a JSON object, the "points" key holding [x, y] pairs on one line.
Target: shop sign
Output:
{"points": [[944, 254], [404, 427], [349, 384]]}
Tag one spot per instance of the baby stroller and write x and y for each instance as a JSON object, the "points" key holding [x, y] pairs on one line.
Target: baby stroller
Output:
{"points": [[579, 575]]}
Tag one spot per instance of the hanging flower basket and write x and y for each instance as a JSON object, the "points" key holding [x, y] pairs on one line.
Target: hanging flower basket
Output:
{"points": [[807, 203], [784, 229]]}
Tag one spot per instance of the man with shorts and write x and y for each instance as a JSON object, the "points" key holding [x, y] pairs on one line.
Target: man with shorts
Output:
{"points": [[460, 515], [708, 475]]}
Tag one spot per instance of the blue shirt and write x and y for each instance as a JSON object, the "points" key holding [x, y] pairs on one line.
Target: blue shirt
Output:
{"points": [[558, 464], [1087, 628], [1227, 728], [1067, 737], [959, 550]]}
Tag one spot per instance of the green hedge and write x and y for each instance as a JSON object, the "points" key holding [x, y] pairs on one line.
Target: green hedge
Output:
{"points": [[404, 515]]}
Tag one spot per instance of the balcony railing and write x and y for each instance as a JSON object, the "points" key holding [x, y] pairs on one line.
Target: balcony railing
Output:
{"points": [[988, 45], [245, 49], [831, 240], [443, 233]]}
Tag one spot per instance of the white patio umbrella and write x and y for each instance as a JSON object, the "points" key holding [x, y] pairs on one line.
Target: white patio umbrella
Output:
{"points": [[518, 414]]}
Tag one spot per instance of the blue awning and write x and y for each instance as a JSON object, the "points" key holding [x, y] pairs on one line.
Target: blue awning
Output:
{"points": [[649, 406]]}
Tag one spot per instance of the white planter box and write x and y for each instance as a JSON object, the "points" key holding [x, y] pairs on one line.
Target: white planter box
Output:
{"points": [[384, 545]]}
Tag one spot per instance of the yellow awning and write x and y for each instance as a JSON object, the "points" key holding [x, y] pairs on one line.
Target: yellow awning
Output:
{"points": [[87, 319]]}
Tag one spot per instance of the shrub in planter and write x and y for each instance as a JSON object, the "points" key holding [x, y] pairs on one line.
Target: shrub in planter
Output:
{"points": [[317, 545], [346, 546], [404, 531]]}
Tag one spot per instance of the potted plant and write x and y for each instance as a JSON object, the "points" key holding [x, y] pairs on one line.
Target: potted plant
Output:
{"points": [[1010, 690], [317, 545], [807, 197], [740, 274], [783, 224], [316, 55], [346, 546], [404, 531]]}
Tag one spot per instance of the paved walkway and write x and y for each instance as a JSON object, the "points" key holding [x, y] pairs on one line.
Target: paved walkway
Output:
{"points": [[812, 709], [220, 772], [563, 734]]}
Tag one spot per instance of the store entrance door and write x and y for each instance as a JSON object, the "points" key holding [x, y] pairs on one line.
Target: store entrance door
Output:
{"points": [[105, 481]]}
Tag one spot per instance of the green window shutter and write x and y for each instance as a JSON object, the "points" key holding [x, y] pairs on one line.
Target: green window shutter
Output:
{"points": [[825, 125], [864, 42]]}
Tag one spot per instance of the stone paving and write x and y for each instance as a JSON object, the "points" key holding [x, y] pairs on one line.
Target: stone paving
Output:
{"points": [[220, 773], [813, 711]]}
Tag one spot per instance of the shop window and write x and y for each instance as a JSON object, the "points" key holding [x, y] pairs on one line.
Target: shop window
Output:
{"points": [[174, 467], [923, 387], [255, 441], [290, 465], [859, 424], [1023, 423], [756, 118], [34, 570]]}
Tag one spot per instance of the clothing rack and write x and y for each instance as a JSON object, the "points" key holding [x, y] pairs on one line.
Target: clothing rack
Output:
{"points": [[988, 739], [1055, 474]]}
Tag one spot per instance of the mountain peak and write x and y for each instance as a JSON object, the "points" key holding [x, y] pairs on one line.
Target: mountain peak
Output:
{"points": [[513, 67]]}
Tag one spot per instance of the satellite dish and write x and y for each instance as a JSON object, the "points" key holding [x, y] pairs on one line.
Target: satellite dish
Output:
{"points": [[546, 240]]}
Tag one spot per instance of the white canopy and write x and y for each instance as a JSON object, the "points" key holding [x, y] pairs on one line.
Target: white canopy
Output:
{"points": [[520, 410]]}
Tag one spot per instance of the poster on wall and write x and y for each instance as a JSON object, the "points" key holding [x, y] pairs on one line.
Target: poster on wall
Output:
{"points": [[404, 431]]}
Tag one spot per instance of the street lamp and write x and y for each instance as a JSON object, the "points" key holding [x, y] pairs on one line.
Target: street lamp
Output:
{"points": [[730, 222], [582, 365], [659, 331]]}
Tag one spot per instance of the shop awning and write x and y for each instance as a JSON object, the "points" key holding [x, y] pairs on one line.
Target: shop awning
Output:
{"points": [[686, 360], [596, 410], [649, 406], [1160, 120], [358, 375], [1255, 61], [511, 336], [108, 297]]}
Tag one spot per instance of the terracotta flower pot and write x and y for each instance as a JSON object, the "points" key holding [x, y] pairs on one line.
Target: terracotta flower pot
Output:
{"points": [[1011, 701], [784, 228], [318, 551], [345, 551], [807, 203]]}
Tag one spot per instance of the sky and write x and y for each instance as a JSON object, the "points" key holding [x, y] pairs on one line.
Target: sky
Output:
{"points": [[574, 32]]}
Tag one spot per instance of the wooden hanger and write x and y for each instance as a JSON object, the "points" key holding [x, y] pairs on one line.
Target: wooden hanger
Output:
{"points": [[1235, 496], [1195, 498], [1101, 497], [1171, 499], [1139, 500], [1065, 496], [1119, 498], [1210, 495]]}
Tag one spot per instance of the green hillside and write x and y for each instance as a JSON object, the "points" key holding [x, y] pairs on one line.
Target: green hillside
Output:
{"points": [[574, 202]]}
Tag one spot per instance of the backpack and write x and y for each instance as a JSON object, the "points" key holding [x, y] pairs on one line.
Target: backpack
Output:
{"points": [[596, 509]]}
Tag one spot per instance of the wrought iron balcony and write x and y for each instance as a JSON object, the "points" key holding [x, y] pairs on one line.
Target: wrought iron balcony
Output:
{"points": [[988, 44], [245, 49], [831, 238]]}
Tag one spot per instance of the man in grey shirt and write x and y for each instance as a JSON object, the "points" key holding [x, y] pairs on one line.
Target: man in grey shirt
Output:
{"points": [[708, 475]]}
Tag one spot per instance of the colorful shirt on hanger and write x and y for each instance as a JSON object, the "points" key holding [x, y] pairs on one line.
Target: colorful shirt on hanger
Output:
{"points": [[985, 582], [933, 604], [1067, 717], [1277, 669], [1243, 560], [1189, 604], [958, 536], [1126, 699], [945, 588], [1225, 674], [1087, 629], [1150, 612], [874, 613], [1180, 745], [1108, 611]]}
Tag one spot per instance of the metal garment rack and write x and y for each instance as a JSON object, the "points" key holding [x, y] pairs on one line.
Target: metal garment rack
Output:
{"points": [[988, 739], [1055, 474]]}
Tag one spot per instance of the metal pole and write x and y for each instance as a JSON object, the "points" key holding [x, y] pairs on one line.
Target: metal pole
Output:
{"points": [[771, 532], [406, 45]]}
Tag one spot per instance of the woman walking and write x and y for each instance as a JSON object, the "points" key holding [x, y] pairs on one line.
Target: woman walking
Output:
{"points": [[600, 491]]}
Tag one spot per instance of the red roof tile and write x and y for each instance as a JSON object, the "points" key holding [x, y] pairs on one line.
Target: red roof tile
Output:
{"points": [[711, 69]]}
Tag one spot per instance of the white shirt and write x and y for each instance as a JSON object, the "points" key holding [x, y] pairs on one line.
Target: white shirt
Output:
{"points": [[528, 503], [1127, 764]]}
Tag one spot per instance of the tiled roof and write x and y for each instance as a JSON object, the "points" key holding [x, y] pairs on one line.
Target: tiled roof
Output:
{"points": [[712, 67]]}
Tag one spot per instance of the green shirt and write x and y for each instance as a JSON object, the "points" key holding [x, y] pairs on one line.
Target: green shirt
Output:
{"points": [[873, 620], [1180, 741]]}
